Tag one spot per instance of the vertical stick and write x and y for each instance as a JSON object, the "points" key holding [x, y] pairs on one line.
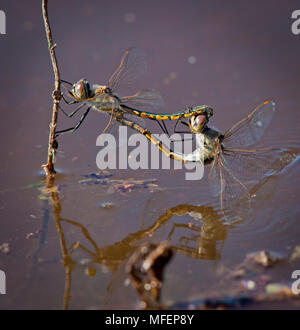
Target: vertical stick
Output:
{"points": [[56, 95]]}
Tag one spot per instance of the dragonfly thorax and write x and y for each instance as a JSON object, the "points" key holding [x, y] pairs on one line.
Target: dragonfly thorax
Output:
{"points": [[212, 143], [104, 99]]}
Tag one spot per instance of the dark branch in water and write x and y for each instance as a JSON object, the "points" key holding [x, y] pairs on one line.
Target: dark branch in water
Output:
{"points": [[56, 95]]}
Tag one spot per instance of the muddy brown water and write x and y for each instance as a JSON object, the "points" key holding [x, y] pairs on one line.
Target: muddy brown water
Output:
{"points": [[231, 56]]}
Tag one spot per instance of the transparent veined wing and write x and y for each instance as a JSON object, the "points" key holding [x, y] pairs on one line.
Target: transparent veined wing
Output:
{"points": [[250, 129], [146, 100], [215, 185], [113, 128], [233, 194], [251, 164], [255, 164], [133, 65]]}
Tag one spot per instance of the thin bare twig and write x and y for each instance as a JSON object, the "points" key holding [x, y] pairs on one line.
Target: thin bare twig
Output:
{"points": [[56, 95]]}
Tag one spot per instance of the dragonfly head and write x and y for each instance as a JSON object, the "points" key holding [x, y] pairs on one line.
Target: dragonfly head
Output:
{"points": [[198, 122], [81, 90]]}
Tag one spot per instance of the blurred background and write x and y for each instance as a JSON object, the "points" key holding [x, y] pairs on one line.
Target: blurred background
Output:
{"points": [[231, 55]]}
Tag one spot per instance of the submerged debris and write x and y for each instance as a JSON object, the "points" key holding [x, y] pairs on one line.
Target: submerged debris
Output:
{"points": [[273, 292], [34, 234], [215, 303], [278, 288], [128, 185], [98, 175], [263, 258], [106, 205], [146, 267], [121, 186], [96, 178]]}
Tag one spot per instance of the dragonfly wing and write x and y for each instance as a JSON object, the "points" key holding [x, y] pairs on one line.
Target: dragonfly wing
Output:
{"points": [[250, 129], [214, 179], [114, 128], [255, 164], [234, 196], [133, 65], [146, 100], [251, 164]]}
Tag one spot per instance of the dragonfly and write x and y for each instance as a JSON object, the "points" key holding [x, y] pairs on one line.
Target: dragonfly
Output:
{"points": [[234, 162], [231, 160], [104, 98], [163, 147]]}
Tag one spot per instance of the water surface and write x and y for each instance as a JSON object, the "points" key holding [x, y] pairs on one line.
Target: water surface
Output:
{"points": [[231, 56]]}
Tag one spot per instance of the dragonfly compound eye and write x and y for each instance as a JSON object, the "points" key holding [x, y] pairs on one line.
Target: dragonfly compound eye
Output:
{"points": [[198, 122], [88, 91], [79, 90]]}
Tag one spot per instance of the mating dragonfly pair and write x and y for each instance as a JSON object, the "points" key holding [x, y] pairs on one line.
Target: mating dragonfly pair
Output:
{"points": [[230, 162]]}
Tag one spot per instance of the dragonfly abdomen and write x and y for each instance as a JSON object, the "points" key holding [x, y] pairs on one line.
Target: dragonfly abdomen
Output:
{"points": [[173, 116]]}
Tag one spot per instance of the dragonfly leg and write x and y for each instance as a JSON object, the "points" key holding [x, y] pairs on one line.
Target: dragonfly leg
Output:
{"points": [[65, 81], [166, 130], [69, 102], [72, 129], [72, 113], [163, 127], [179, 120]]}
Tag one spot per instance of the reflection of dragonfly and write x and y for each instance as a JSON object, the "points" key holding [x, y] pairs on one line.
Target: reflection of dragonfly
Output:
{"points": [[208, 240], [230, 162], [104, 97]]}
